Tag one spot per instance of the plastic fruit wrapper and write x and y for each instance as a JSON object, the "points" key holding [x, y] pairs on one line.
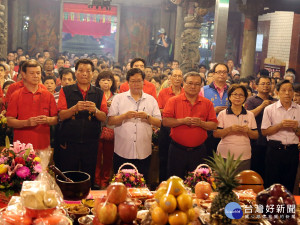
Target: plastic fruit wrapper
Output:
{"points": [[42, 196]]}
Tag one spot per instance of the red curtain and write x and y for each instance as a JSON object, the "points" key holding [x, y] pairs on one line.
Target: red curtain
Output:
{"points": [[94, 29]]}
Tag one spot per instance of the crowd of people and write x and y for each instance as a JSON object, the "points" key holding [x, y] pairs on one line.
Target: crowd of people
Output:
{"points": [[98, 114]]}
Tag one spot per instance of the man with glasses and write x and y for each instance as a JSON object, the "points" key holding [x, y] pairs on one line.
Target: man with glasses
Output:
{"points": [[82, 108], [217, 93], [280, 125], [257, 104], [148, 87], [133, 113], [164, 139], [189, 116]]}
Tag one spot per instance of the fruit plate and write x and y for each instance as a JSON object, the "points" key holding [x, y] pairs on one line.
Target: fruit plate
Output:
{"points": [[140, 193]]}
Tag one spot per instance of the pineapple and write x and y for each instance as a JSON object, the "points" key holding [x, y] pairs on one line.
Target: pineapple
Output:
{"points": [[225, 182]]}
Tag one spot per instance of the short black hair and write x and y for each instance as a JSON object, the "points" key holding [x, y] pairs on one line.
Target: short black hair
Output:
{"points": [[8, 82], [280, 83], [265, 77], [61, 58], [107, 74], [218, 64], [30, 63], [50, 78], [63, 71], [136, 60], [264, 72], [84, 61], [291, 70], [134, 71], [191, 74], [117, 67], [233, 87], [157, 79], [149, 67], [244, 80], [202, 65], [19, 48], [1, 65], [296, 88]]}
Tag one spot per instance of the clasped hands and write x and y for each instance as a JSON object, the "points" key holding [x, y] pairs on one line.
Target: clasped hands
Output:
{"points": [[289, 124], [135, 114], [192, 121], [34, 121], [85, 105], [239, 128]]}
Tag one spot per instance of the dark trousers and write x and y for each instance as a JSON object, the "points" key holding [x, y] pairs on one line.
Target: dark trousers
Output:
{"points": [[258, 158], [142, 165], [211, 144], [281, 165], [78, 157], [181, 160], [164, 140]]}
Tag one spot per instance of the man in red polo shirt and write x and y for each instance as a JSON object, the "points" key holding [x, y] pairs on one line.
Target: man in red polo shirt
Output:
{"points": [[189, 116], [164, 134], [148, 87], [31, 110]]}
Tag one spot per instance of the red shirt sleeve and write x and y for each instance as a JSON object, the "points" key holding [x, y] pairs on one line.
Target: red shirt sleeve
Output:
{"points": [[9, 92], [160, 99], [169, 110], [53, 108], [124, 87], [103, 106], [211, 116], [154, 93], [12, 108], [62, 102]]}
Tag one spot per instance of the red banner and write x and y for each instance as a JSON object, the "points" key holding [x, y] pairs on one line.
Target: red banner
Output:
{"points": [[94, 29], [83, 8]]}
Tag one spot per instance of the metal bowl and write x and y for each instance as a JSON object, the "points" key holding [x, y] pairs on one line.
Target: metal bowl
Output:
{"points": [[77, 190]]}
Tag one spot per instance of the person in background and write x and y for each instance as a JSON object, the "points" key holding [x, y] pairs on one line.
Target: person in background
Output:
{"points": [[157, 83], [49, 68], [273, 85], [244, 82], [296, 99], [280, 125], [202, 69], [263, 72], [6, 86], [49, 82], [95, 76], [175, 64], [12, 73], [133, 113], [236, 127], [277, 75], [60, 63], [106, 82], [256, 104], [163, 46], [118, 82], [148, 74], [2, 74], [209, 77], [164, 138], [290, 77], [249, 91], [31, 110]]}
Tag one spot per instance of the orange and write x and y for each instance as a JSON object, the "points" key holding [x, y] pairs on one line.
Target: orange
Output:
{"points": [[159, 193], [168, 203], [191, 214], [159, 216], [184, 202], [175, 185], [178, 218]]}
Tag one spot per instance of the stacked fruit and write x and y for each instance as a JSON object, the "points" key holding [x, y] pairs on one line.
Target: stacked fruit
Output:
{"points": [[174, 204], [115, 207], [278, 204]]}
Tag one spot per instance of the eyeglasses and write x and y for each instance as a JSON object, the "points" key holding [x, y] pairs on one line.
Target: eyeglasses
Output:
{"points": [[265, 84], [238, 95], [135, 81], [193, 84], [221, 72]]}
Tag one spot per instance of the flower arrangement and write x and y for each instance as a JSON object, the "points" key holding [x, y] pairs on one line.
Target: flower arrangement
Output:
{"points": [[131, 178], [18, 163], [202, 173]]}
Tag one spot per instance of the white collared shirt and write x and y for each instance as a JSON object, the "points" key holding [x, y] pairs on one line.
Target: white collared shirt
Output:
{"points": [[274, 114], [133, 138]]}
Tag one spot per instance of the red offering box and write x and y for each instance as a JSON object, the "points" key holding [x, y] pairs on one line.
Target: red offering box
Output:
{"points": [[140, 193]]}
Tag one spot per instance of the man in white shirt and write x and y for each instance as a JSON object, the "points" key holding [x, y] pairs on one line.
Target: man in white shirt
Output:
{"points": [[133, 113], [281, 126]]}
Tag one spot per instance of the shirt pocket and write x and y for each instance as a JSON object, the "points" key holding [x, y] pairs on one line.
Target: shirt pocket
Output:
{"points": [[45, 109]]}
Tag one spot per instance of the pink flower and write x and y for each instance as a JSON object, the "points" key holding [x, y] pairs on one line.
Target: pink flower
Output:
{"points": [[23, 172], [18, 147], [38, 168]]}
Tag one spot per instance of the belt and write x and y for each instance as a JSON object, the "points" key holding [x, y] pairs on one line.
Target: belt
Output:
{"points": [[185, 147], [278, 145]]}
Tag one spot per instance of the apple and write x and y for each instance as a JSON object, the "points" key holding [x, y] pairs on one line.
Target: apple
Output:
{"points": [[106, 213], [203, 190], [262, 197], [127, 211], [116, 193], [277, 190]]}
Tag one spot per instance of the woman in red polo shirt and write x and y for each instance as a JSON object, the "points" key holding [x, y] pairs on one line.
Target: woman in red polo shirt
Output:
{"points": [[236, 127]]}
